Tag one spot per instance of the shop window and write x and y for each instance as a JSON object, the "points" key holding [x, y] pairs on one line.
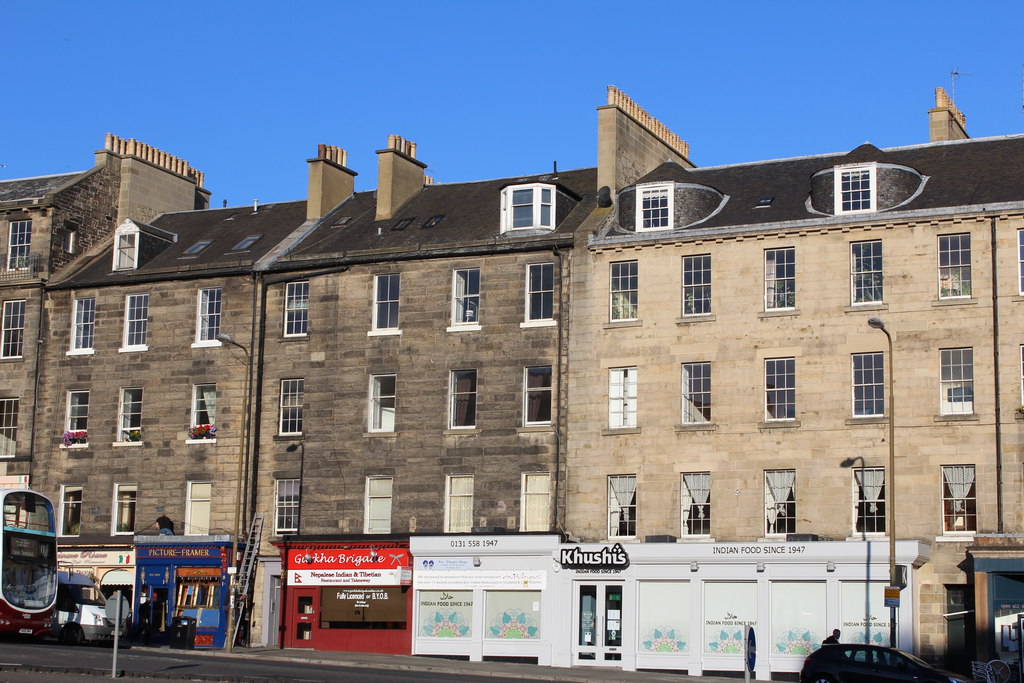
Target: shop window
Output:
{"points": [[798, 611], [512, 615], [363, 607], [727, 605], [663, 624], [198, 595], [445, 614]]}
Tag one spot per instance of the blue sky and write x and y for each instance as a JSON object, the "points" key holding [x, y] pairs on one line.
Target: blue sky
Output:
{"points": [[246, 90]]}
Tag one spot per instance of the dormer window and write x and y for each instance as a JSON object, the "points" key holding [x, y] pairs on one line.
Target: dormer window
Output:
{"points": [[126, 252], [854, 189], [654, 207], [528, 207]]}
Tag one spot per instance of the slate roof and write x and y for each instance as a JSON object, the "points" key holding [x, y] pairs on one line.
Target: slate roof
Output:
{"points": [[962, 173], [33, 188], [225, 227], [471, 220]]}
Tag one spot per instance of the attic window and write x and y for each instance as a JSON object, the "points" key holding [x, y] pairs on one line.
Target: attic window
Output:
{"points": [[764, 202], [432, 221], [197, 248], [246, 243], [528, 206], [654, 207], [126, 251], [402, 224], [854, 189], [342, 221]]}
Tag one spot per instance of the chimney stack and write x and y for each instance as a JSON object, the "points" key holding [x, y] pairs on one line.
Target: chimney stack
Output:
{"points": [[330, 182], [400, 176], [945, 121]]}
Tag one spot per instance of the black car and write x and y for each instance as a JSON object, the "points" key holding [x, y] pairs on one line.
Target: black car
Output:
{"points": [[851, 663]]}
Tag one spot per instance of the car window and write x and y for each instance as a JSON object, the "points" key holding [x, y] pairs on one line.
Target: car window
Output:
{"points": [[858, 655]]}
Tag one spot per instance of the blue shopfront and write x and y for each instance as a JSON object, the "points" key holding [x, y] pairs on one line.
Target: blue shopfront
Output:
{"points": [[183, 576]]}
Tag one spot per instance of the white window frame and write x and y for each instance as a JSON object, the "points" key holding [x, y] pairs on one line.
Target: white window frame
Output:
{"points": [[118, 503], [83, 327], [455, 396], [387, 293], [1022, 374], [136, 326], [209, 311], [688, 506], [853, 195], [451, 524], [536, 494], [624, 291], [778, 284], [953, 250], [542, 212], [65, 506], [865, 279], [291, 405], [71, 421], [9, 409], [539, 392], [199, 396], [191, 502], [696, 294], [772, 391], [622, 398], [296, 309], [287, 505], [626, 512], [12, 337], [465, 301], [770, 501], [126, 249], [953, 370], [969, 511], [373, 500], [540, 294], [129, 419], [19, 245], [1020, 262], [381, 402], [861, 503], [871, 389], [655, 207], [696, 384]]}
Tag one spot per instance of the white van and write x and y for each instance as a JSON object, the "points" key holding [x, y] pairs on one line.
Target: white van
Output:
{"points": [[79, 615]]}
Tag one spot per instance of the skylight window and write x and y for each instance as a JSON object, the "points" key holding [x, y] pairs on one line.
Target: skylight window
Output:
{"points": [[246, 243], [764, 202], [402, 224], [432, 221], [197, 248], [344, 220]]}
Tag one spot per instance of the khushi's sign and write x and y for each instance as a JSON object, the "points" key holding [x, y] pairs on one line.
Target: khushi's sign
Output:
{"points": [[614, 558], [351, 566]]}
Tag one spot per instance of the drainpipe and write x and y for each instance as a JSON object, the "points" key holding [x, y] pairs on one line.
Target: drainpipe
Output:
{"points": [[995, 373], [40, 329], [563, 321]]}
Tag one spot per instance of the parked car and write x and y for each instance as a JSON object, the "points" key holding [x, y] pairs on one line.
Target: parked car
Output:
{"points": [[851, 663], [79, 615]]}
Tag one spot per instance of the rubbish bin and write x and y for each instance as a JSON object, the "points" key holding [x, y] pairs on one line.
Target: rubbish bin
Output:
{"points": [[183, 633]]}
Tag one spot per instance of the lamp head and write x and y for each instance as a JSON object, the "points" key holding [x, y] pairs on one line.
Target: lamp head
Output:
{"points": [[876, 323], [225, 339], [849, 462]]}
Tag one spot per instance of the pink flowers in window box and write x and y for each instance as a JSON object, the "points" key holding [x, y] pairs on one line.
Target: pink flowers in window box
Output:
{"points": [[202, 432], [78, 436]]}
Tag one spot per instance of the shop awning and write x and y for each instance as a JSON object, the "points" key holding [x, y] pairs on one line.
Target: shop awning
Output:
{"points": [[118, 577]]}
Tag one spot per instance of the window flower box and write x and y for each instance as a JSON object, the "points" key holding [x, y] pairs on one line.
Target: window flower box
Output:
{"points": [[202, 432], [80, 436], [131, 435]]}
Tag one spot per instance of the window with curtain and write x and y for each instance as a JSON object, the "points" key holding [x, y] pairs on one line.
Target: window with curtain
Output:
{"points": [[536, 503], [870, 511], [695, 504], [204, 404], [459, 504], [622, 505], [378, 505], [959, 499], [197, 519], [779, 502]]}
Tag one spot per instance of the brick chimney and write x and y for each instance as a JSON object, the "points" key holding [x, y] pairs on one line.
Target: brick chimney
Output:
{"points": [[945, 121], [330, 182], [400, 176], [631, 143]]}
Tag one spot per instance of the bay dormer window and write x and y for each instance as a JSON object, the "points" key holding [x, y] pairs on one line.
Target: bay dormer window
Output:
{"points": [[654, 207], [126, 248], [528, 207], [855, 189]]}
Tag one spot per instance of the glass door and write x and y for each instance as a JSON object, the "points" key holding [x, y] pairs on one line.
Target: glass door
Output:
{"points": [[598, 623]]}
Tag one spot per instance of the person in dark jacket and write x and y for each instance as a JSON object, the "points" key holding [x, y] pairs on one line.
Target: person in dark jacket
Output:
{"points": [[166, 525], [832, 639]]}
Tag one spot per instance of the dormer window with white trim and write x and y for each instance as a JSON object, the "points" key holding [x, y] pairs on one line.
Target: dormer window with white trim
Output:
{"points": [[654, 207], [525, 207], [855, 189], [126, 251]]}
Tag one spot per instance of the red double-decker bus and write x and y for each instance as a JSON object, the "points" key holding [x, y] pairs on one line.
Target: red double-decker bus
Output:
{"points": [[28, 563]]}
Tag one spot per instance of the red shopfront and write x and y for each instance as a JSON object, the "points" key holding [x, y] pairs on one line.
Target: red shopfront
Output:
{"points": [[347, 596]]}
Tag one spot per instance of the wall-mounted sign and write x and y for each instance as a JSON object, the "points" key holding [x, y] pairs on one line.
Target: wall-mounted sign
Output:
{"points": [[468, 580], [99, 558], [343, 577], [615, 558], [153, 552], [447, 564], [348, 558]]}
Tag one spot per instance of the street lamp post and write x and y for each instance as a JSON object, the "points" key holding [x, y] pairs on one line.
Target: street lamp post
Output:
{"points": [[233, 581], [850, 462], [890, 484]]}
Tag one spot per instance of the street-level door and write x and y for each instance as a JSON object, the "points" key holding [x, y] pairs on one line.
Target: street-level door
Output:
{"points": [[598, 611]]}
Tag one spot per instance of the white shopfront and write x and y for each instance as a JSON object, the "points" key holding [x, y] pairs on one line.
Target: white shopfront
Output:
{"points": [[668, 606]]}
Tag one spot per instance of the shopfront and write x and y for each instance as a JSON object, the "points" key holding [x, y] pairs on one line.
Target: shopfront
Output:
{"points": [[182, 577], [113, 567], [349, 596]]}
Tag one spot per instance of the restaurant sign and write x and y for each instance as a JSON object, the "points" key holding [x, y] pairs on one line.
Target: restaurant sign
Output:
{"points": [[614, 558]]}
